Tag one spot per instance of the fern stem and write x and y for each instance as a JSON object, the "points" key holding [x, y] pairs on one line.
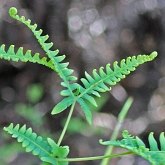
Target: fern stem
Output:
{"points": [[115, 133], [66, 124], [93, 157]]}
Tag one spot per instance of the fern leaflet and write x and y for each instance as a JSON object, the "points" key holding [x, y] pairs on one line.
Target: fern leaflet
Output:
{"points": [[97, 83], [46, 149], [10, 54], [153, 154], [61, 68]]}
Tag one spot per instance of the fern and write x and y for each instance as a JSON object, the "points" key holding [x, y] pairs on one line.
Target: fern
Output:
{"points": [[97, 83], [92, 85], [61, 68], [10, 54], [46, 149], [153, 154], [84, 94]]}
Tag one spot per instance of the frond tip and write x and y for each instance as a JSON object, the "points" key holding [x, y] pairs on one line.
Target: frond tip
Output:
{"points": [[134, 144], [13, 11], [46, 149], [153, 55]]}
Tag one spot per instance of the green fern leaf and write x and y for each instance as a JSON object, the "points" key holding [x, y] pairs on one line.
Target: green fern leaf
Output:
{"points": [[61, 68], [153, 154], [62, 105], [45, 149], [86, 110], [33, 143], [19, 55], [104, 79]]}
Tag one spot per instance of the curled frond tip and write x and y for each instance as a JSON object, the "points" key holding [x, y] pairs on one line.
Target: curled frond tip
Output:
{"points": [[12, 11]]}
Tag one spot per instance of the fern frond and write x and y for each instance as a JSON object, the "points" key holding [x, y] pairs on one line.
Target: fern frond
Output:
{"points": [[153, 154], [19, 55], [86, 110], [102, 80], [92, 85], [45, 149], [61, 67]]}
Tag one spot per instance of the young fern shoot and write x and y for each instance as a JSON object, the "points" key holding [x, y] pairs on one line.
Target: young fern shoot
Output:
{"points": [[91, 86]]}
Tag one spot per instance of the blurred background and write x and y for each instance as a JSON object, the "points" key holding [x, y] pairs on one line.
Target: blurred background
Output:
{"points": [[91, 33]]}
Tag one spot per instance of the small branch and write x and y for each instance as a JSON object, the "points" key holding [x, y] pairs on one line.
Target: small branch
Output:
{"points": [[93, 158], [66, 124]]}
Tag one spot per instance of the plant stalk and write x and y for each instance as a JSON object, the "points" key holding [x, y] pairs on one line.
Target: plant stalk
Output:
{"points": [[66, 124], [118, 126], [93, 158]]}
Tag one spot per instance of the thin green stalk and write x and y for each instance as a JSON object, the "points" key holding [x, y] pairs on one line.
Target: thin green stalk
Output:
{"points": [[115, 133], [66, 124], [93, 158]]}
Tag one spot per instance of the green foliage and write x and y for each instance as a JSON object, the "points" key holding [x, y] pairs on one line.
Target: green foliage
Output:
{"points": [[62, 105], [91, 86], [45, 149], [61, 67], [77, 124], [97, 83], [85, 94], [19, 55], [153, 154]]}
